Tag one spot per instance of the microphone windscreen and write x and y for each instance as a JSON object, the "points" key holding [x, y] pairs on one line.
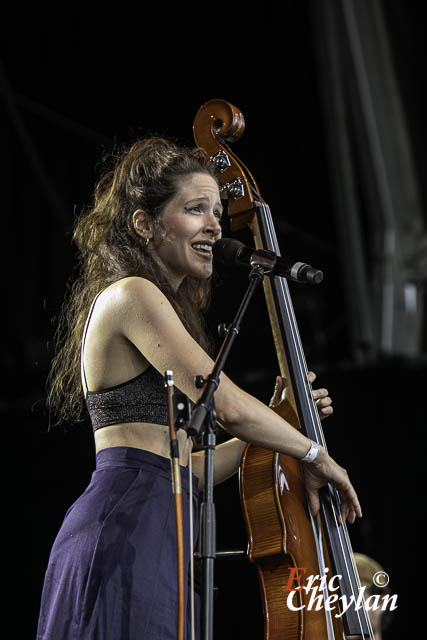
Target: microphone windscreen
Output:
{"points": [[225, 250]]}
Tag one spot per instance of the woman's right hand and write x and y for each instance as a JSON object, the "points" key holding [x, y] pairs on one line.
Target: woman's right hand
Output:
{"points": [[323, 470]]}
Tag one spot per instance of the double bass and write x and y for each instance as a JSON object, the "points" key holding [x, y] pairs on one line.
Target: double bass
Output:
{"points": [[285, 542]]}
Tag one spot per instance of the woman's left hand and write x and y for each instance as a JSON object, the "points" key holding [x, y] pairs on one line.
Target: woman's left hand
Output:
{"points": [[320, 396]]}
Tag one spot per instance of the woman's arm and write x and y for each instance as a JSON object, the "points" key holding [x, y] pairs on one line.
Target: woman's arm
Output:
{"points": [[229, 454], [146, 318], [227, 459]]}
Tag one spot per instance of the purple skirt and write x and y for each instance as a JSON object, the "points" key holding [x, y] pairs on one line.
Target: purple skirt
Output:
{"points": [[112, 569]]}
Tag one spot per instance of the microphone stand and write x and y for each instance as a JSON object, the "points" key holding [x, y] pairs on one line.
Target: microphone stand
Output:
{"points": [[203, 418]]}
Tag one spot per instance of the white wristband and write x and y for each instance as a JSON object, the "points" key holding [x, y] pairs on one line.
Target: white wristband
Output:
{"points": [[312, 453]]}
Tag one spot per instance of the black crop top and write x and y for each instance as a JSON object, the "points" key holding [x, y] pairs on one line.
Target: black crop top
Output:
{"points": [[141, 399]]}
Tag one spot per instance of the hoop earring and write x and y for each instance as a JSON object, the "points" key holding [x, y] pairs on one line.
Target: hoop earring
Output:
{"points": [[147, 240]]}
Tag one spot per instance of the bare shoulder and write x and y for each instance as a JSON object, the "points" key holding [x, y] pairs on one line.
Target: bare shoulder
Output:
{"points": [[145, 318], [128, 301], [137, 297], [130, 286], [140, 311]]}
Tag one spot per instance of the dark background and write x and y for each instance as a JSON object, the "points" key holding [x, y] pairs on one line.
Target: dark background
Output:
{"points": [[75, 84]]}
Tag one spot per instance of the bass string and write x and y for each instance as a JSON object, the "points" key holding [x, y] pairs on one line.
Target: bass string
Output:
{"points": [[355, 574], [318, 538], [332, 513], [334, 526], [284, 296]]}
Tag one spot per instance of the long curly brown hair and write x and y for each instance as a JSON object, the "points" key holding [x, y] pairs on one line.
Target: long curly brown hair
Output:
{"points": [[143, 176]]}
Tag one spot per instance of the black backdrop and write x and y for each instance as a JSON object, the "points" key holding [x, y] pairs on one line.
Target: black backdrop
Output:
{"points": [[72, 85]]}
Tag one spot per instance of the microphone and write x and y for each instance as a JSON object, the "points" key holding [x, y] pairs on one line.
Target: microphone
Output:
{"points": [[232, 253]]}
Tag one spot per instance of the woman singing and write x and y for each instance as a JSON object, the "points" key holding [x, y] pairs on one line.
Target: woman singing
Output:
{"points": [[134, 312]]}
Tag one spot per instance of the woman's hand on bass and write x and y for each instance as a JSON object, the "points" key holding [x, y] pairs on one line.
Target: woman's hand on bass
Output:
{"points": [[320, 396], [322, 470]]}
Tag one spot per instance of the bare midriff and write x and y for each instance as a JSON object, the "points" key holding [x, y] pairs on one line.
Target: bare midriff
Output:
{"points": [[142, 435]]}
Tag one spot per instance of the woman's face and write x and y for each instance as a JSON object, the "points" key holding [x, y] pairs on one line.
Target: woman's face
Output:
{"points": [[191, 223]]}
